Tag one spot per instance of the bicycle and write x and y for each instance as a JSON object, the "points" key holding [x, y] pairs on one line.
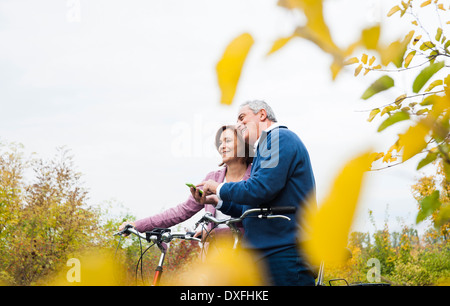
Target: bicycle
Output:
{"points": [[158, 236]]}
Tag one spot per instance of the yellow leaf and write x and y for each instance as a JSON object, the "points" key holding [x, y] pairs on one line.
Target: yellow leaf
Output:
{"points": [[438, 34], [351, 61], [235, 267], [280, 43], [351, 48], [387, 157], [230, 66], [395, 147], [91, 269], [364, 58], [373, 113], [376, 156], [335, 67], [434, 84], [328, 226], [372, 60], [408, 58], [413, 140], [395, 51], [425, 3], [316, 28], [441, 105], [358, 69], [416, 39], [393, 10], [370, 36], [400, 99], [387, 110]]}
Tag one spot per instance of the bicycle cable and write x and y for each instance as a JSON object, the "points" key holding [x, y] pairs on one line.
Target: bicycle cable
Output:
{"points": [[141, 261], [118, 244]]}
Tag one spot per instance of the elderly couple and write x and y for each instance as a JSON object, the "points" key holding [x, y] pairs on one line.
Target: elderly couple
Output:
{"points": [[279, 174]]}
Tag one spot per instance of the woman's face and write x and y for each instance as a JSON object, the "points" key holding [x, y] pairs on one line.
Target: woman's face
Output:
{"points": [[228, 146]]}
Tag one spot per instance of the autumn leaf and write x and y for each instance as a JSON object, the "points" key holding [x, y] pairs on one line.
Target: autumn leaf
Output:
{"points": [[438, 34], [431, 157], [94, 268], [413, 140], [409, 58], [396, 117], [433, 85], [425, 3], [370, 36], [373, 113], [425, 75], [358, 69], [280, 43], [428, 205], [395, 51], [351, 61], [393, 10], [236, 267], [330, 224], [230, 66], [383, 83]]}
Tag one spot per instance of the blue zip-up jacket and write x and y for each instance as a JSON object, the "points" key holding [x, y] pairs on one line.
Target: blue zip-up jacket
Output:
{"points": [[281, 175]]}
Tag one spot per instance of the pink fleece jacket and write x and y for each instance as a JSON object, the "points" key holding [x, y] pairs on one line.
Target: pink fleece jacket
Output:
{"points": [[185, 210]]}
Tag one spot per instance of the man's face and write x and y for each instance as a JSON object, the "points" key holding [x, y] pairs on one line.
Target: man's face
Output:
{"points": [[248, 124]]}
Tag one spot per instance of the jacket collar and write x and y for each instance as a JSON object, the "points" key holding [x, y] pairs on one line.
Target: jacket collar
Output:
{"points": [[265, 132]]}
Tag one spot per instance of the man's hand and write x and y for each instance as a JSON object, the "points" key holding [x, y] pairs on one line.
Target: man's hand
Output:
{"points": [[209, 187], [207, 197]]}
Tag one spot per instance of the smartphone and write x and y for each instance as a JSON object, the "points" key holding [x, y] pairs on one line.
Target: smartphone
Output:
{"points": [[193, 186]]}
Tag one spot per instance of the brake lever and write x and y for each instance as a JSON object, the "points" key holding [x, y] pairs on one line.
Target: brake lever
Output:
{"points": [[273, 217], [125, 230]]}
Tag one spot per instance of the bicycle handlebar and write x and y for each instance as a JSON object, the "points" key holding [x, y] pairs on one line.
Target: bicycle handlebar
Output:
{"points": [[264, 213], [158, 235]]}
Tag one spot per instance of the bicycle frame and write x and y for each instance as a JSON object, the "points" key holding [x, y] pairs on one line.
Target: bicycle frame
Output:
{"points": [[159, 268], [156, 237]]}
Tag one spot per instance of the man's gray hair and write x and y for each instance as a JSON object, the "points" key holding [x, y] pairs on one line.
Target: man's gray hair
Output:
{"points": [[257, 105]]}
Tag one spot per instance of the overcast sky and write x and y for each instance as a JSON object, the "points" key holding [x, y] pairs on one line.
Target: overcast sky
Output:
{"points": [[130, 88]]}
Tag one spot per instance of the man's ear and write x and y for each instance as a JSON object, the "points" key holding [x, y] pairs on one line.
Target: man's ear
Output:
{"points": [[262, 114]]}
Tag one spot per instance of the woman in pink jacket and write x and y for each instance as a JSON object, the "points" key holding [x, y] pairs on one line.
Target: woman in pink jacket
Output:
{"points": [[236, 159]]}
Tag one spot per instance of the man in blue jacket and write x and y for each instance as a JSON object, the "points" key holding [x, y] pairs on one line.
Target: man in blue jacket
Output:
{"points": [[281, 176]]}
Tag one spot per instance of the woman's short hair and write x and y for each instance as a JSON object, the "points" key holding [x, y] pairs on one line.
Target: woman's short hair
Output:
{"points": [[243, 148]]}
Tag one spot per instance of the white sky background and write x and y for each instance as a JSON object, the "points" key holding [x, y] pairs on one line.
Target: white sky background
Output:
{"points": [[130, 88]]}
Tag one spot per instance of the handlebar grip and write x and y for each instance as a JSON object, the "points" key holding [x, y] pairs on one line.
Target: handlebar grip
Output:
{"points": [[283, 209]]}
